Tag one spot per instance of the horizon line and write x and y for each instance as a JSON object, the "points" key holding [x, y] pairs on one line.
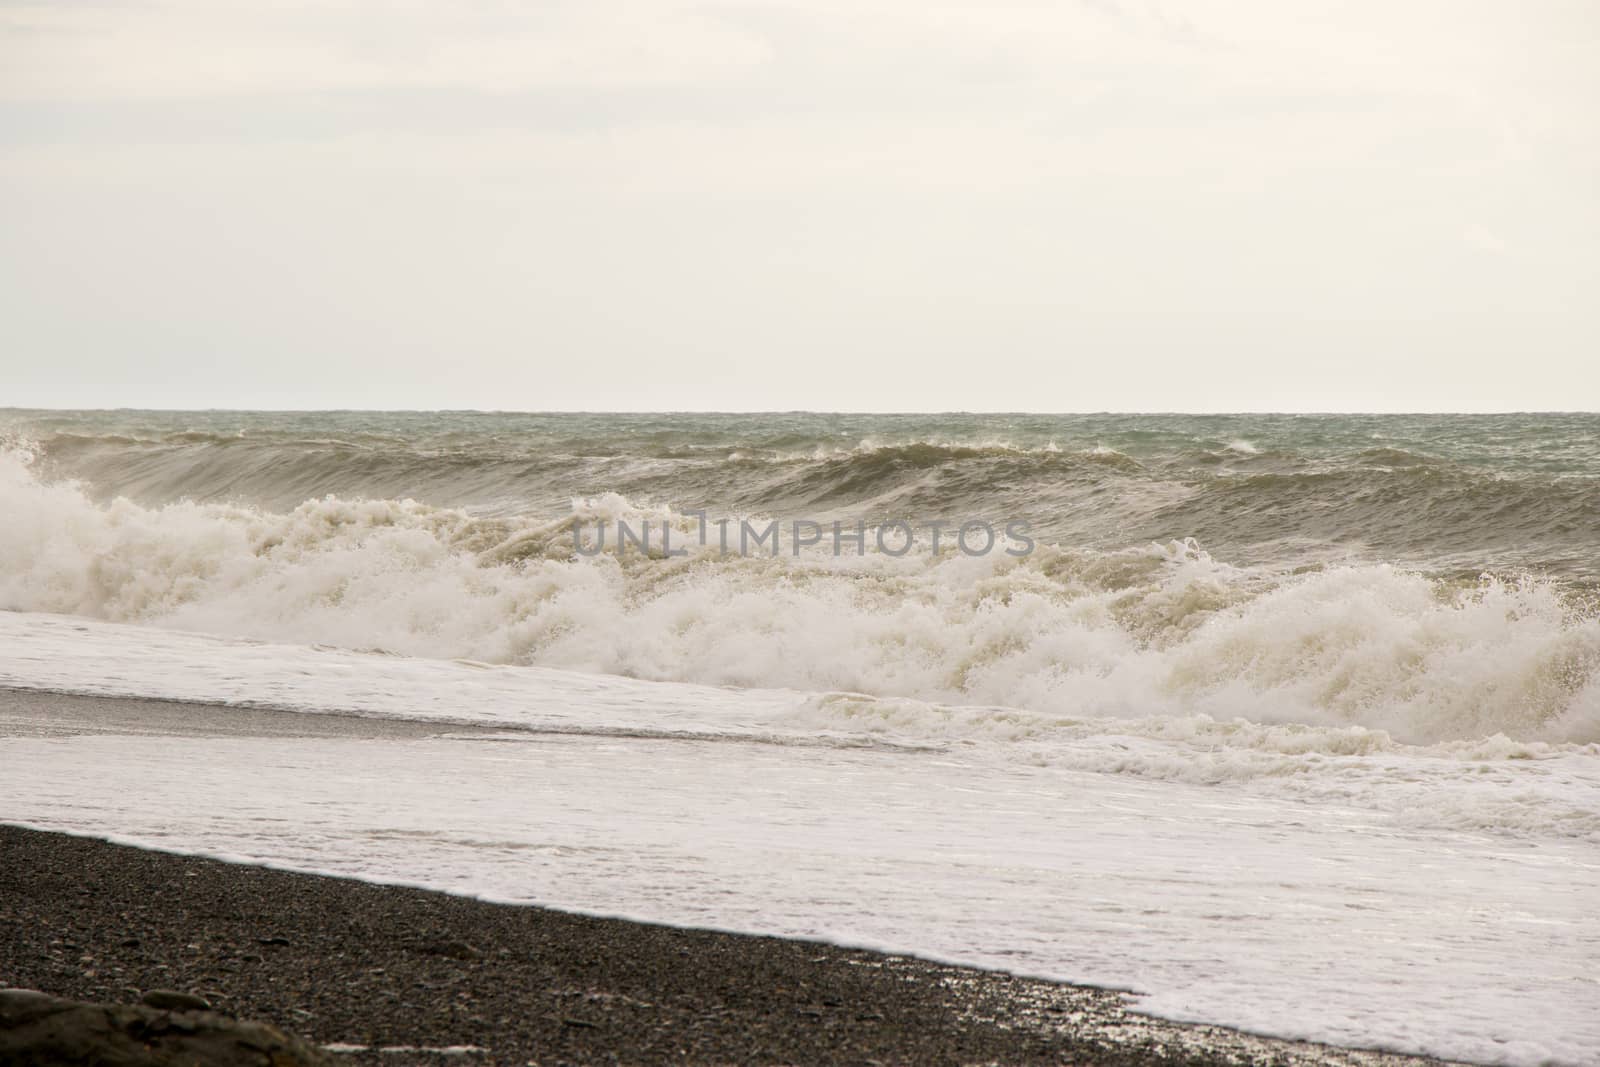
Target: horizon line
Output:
{"points": [[783, 411]]}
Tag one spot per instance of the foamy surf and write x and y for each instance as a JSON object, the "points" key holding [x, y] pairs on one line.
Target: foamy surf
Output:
{"points": [[1395, 901], [1152, 630], [1173, 763]]}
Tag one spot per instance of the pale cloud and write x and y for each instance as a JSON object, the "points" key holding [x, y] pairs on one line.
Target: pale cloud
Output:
{"points": [[1480, 236], [172, 48], [609, 203]]}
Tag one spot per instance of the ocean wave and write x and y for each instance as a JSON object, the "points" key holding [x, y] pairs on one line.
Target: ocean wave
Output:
{"points": [[1155, 630], [1267, 503], [1394, 457]]}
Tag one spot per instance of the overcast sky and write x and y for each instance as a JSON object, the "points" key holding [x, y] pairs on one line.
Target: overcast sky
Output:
{"points": [[869, 205]]}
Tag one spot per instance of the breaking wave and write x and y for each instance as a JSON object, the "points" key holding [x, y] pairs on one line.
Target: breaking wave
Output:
{"points": [[1158, 629]]}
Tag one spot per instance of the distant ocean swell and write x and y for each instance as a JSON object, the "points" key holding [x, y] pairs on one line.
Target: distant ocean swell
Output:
{"points": [[1295, 623], [1319, 498]]}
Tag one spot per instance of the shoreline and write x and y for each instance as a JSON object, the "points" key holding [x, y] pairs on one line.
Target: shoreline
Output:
{"points": [[360, 968]]}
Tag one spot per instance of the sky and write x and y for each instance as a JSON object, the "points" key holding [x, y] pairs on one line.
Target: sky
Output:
{"points": [[875, 205]]}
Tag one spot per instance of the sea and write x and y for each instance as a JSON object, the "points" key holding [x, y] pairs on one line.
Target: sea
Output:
{"points": [[1289, 723]]}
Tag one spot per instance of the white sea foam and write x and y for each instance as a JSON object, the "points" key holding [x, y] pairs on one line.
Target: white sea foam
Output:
{"points": [[1161, 631], [1350, 898], [1491, 785]]}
